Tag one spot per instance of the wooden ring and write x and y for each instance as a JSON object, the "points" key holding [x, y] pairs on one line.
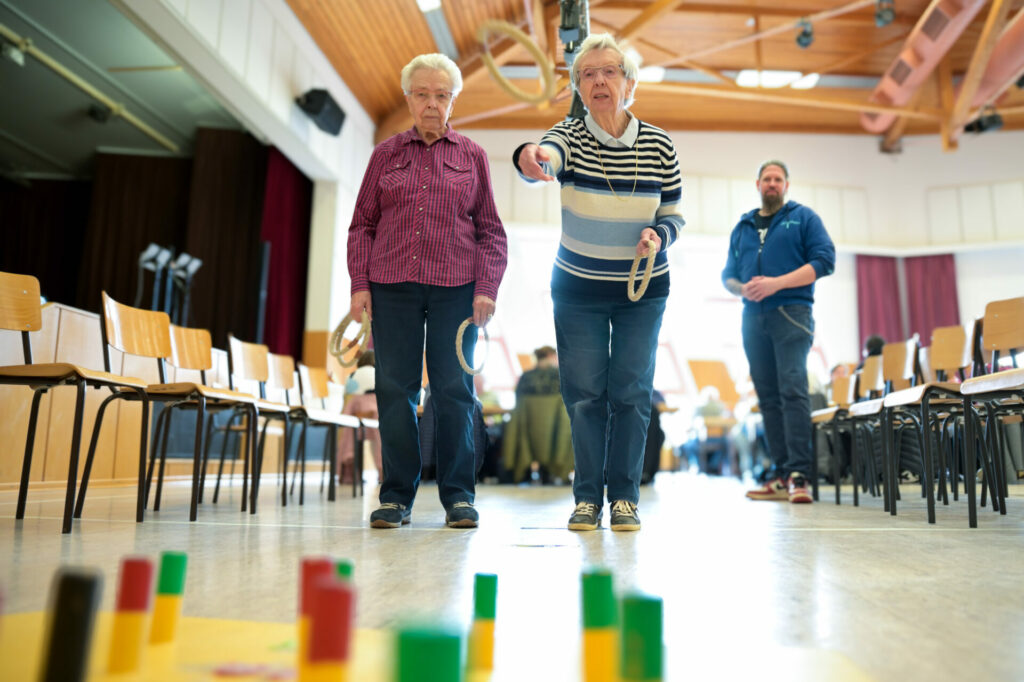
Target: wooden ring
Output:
{"points": [[458, 347], [335, 348], [639, 293], [547, 70]]}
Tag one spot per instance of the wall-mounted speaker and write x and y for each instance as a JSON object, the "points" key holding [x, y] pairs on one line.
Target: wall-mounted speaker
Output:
{"points": [[321, 107]]}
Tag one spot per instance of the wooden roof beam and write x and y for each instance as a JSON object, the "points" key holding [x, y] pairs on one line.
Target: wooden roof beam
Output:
{"points": [[994, 23], [863, 54], [649, 13], [750, 11]]}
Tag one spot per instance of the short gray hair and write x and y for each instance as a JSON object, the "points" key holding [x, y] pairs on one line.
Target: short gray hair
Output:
{"points": [[773, 162], [435, 62], [605, 41]]}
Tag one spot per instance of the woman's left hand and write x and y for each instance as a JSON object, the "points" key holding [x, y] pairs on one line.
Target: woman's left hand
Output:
{"points": [[648, 234], [483, 310]]}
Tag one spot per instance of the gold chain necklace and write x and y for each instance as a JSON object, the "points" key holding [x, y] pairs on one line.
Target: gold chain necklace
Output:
{"points": [[636, 170]]}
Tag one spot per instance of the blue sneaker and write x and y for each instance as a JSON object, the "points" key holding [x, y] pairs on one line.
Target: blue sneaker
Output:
{"points": [[390, 515]]}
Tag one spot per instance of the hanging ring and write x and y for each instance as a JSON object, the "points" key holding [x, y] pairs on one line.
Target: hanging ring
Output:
{"points": [[652, 251], [458, 347]]}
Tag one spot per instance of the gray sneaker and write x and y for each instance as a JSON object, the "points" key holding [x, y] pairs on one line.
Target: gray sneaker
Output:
{"points": [[586, 516], [462, 515], [390, 515], [624, 516]]}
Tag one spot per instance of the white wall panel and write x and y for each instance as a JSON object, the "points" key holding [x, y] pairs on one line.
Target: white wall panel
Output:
{"points": [[828, 205], [528, 203], [553, 204], [1009, 209], [976, 215], [715, 207], [204, 17], [234, 33], [855, 220], [691, 206], [281, 87], [261, 37], [502, 178], [743, 197], [180, 6], [944, 216], [990, 275]]}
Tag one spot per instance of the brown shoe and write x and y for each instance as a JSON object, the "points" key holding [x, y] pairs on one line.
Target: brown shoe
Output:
{"points": [[772, 490]]}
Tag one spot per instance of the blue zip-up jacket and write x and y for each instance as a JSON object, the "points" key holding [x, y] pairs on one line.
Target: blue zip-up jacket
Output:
{"points": [[795, 238]]}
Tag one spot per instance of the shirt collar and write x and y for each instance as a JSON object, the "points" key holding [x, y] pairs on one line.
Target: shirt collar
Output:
{"points": [[628, 138], [411, 135]]}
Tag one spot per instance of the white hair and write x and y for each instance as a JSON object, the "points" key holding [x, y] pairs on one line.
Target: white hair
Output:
{"points": [[605, 41], [435, 62]]}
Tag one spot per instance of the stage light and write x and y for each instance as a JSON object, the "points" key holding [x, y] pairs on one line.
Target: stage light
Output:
{"points": [[884, 13], [989, 120], [806, 35]]}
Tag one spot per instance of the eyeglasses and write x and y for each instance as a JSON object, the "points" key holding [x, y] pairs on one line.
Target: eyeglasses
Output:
{"points": [[609, 72], [423, 96]]}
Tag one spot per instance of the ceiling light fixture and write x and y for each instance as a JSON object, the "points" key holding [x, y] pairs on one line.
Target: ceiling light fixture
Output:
{"points": [[428, 5], [989, 120], [885, 13], [805, 82], [652, 74], [12, 52], [751, 78], [806, 35]]}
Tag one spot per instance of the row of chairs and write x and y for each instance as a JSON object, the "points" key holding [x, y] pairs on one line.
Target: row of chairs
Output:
{"points": [[149, 334], [953, 395]]}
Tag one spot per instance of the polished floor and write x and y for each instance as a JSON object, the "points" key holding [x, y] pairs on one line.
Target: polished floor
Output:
{"points": [[747, 586]]}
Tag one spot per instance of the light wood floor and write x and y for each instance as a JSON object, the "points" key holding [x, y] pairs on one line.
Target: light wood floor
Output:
{"points": [[900, 599]]}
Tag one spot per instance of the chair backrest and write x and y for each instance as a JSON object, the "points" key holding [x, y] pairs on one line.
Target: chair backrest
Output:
{"points": [[950, 351], [191, 348], [924, 363], [899, 363], [19, 308], [313, 382], [871, 379], [842, 391], [715, 373], [281, 374], [146, 333], [1003, 327], [247, 362]]}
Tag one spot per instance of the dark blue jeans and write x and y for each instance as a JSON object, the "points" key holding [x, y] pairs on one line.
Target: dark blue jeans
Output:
{"points": [[777, 342], [606, 353], [402, 315]]}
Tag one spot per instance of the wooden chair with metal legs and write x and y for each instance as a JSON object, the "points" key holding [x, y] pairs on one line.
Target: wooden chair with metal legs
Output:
{"points": [[20, 311], [192, 351], [314, 389], [249, 362], [147, 334], [1001, 395], [865, 415], [834, 418], [932, 406]]}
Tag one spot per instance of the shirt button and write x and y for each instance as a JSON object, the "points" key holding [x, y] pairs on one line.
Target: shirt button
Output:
{"points": [[414, 257], [426, 167], [417, 231], [424, 186], [420, 208]]}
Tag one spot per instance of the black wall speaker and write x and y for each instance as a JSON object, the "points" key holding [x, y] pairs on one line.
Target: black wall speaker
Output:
{"points": [[321, 107]]}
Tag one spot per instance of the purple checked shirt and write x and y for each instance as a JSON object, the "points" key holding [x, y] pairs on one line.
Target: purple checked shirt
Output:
{"points": [[427, 215]]}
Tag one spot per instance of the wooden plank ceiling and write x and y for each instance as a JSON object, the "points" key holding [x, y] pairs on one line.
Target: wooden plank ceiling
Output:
{"points": [[368, 42]]}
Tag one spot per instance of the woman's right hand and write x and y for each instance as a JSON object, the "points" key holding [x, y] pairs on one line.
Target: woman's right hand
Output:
{"points": [[529, 163], [360, 302]]}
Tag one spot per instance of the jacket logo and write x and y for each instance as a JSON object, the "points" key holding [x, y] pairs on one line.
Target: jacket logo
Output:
{"points": [[787, 223]]}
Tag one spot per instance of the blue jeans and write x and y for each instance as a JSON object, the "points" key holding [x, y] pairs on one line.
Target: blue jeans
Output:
{"points": [[402, 314], [606, 353], [777, 342]]}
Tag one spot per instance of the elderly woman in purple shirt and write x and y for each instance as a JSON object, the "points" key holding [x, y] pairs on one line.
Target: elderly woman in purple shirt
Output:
{"points": [[426, 250]]}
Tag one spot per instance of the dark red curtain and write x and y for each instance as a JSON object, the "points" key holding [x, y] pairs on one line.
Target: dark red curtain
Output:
{"points": [[42, 226], [931, 294], [224, 218], [287, 206], [135, 200], [878, 298]]}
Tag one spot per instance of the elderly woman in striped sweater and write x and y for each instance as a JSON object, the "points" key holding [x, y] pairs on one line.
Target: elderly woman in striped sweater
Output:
{"points": [[621, 188]]}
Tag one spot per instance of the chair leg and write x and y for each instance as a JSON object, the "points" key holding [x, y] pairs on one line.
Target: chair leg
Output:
{"points": [[84, 486], [154, 450], [206, 457], [925, 433], [814, 466], [302, 460], [259, 461], [76, 444], [223, 454], [284, 463], [357, 460], [163, 459], [332, 454], [140, 493], [969, 462], [837, 456], [255, 456], [26, 462], [245, 454], [197, 457]]}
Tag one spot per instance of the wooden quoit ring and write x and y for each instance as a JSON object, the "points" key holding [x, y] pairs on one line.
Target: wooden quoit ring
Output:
{"points": [[335, 347], [458, 347], [547, 70], [639, 293]]}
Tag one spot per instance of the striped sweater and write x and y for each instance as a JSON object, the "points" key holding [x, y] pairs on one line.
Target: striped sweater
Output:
{"points": [[609, 195]]}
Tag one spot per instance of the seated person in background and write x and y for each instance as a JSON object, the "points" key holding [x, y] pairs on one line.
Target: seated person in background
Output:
{"points": [[360, 400], [710, 406], [543, 378], [872, 346]]}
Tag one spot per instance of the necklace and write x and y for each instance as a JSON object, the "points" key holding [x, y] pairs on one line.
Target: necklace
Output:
{"points": [[636, 171]]}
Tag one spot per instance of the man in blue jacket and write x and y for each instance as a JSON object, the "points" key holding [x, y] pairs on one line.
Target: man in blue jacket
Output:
{"points": [[775, 255]]}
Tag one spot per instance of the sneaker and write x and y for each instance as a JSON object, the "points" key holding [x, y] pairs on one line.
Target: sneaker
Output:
{"points": [[462, 515], [390, 515], [772, 490], [586, 516], [799, 493], [624, 516]]}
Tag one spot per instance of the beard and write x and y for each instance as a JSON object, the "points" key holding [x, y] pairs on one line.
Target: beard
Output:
{"points": [[771, 203]]}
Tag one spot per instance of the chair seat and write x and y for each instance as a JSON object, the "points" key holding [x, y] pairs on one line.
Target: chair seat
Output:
{"points": [[56, 371], [187, 388], [1007, 380], [868, 408], [327, 417], [914, 394], [370, 423], [824, 415], [273, 408]]}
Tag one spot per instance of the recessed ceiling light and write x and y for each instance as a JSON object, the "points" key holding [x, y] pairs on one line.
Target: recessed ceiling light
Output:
{"points": [[751, 78], [652, 74], [805, 83], [428, 5]]}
